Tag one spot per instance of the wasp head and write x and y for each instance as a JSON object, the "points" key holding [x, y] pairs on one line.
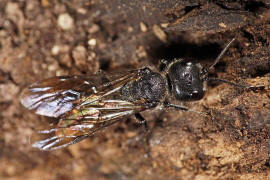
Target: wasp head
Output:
{"points": [[186, 81]]}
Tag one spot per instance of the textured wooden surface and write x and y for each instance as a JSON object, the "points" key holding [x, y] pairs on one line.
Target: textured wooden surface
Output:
{"points": [[40, 39]]}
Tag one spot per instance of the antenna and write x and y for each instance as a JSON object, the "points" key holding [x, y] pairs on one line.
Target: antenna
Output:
{"points": [[206, 70]]}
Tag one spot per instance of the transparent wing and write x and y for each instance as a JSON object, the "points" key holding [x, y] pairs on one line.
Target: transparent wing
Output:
{"points": [[84, 122], [55, 96], [82, 104]]}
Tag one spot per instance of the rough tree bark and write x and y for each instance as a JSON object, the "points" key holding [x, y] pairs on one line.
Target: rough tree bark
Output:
{"points": [[40, 39]]}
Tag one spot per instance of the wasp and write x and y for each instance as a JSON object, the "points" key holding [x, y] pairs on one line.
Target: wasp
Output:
{"points": [[83, 105]]}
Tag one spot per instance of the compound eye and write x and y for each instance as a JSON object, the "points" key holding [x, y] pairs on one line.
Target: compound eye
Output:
{"points": [[195, 92], [197, 95]]}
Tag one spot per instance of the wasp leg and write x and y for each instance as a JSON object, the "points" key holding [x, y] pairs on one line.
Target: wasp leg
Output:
{"points": [[147, 135], [142, 121], [183, 108]]}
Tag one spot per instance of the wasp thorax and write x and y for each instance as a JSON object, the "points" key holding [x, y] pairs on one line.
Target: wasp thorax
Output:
{"points": [[151, 87], [185, 81]]}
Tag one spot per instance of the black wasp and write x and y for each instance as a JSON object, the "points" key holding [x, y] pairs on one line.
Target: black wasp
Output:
{"points": [[86, 104]]}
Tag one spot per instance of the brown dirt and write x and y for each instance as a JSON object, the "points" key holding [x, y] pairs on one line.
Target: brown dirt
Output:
{"points": [[232, 143]]}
